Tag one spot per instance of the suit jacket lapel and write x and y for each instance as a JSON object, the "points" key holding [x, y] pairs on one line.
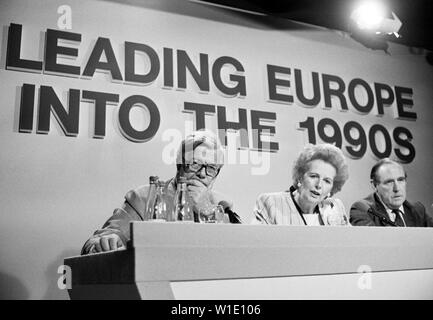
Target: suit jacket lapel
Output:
{"points": [[408, 214], [378, 208]]}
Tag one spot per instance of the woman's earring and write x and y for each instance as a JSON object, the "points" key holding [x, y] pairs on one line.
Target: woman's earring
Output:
{"points": [[298, 184]]}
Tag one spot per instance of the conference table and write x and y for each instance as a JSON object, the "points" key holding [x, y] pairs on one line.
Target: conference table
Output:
{"points": [[195, 261]]}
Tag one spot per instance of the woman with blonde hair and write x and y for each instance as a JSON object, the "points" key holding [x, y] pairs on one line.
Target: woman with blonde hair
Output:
{"points": [[319, 172]]}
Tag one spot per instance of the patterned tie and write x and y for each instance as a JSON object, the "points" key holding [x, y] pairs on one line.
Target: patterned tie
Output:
{"points": [[398, 220]]}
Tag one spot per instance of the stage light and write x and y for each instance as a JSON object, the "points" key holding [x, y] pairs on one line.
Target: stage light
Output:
{"points": [[372, 16], [369, 15]]}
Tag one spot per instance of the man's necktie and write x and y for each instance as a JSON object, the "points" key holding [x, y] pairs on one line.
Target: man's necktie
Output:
{"points": [[398, 219]]}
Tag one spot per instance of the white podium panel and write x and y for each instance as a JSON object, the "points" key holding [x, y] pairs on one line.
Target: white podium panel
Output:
{"points": [[414, 284], [229, 261]]}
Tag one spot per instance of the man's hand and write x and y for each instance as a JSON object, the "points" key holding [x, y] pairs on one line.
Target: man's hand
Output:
{"points": [[106, 243], [198, 193]]}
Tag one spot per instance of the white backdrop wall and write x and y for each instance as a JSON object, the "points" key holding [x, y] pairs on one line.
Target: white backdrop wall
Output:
{"points": [[56, 190]]}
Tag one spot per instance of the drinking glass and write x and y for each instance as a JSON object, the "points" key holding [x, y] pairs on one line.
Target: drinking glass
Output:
{"points": [[213, 214], [336, 219]]}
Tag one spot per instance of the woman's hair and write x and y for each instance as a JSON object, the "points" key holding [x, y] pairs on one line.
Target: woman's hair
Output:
{"points": [[329, 154]]}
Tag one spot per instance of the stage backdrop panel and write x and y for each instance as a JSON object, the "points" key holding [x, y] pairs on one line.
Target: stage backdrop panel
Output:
{"points": [[159, 69]]}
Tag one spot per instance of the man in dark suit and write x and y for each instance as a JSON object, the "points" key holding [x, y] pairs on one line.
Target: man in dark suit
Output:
{"points": [[388, 206]]}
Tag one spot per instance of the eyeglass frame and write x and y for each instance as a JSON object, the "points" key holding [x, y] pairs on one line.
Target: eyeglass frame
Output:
{"points": [[187, 167]]}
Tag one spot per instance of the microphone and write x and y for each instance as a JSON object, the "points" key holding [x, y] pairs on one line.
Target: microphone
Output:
{"points": [[233, 216]]}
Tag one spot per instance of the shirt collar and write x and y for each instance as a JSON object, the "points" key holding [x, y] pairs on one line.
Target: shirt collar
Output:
{"points": [[388, 210]]}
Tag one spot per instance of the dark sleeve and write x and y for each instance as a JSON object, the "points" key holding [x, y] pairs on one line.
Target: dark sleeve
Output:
{"points": [[131, 210], [359, 215], [427, 219]]}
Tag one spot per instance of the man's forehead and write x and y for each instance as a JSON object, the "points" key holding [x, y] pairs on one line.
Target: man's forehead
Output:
{"points": [[390, 171], [203, 154]]}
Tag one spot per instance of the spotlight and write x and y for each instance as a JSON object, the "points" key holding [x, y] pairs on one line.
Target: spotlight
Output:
{"points": [[371, 17]]}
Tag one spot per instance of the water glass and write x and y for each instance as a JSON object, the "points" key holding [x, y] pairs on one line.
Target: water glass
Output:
{"points": [[337, 220], [214, 214]]}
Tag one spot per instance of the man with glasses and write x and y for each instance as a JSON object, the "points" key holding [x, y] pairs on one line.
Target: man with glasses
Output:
{"points": [[199, 159], [388, 206]]}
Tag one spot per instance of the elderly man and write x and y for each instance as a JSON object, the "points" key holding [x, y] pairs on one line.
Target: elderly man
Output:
{"points": [[388, 206], [199, 160]]}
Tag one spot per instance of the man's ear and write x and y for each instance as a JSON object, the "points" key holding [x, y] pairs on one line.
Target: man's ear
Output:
{"points": [[373, 185]]}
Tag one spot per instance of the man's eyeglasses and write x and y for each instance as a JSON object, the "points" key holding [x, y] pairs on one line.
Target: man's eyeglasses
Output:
{"points": [[211, 170]]}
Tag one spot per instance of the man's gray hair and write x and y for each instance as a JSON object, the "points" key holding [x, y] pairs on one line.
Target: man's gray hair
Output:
{"points": [[201, 138]]}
